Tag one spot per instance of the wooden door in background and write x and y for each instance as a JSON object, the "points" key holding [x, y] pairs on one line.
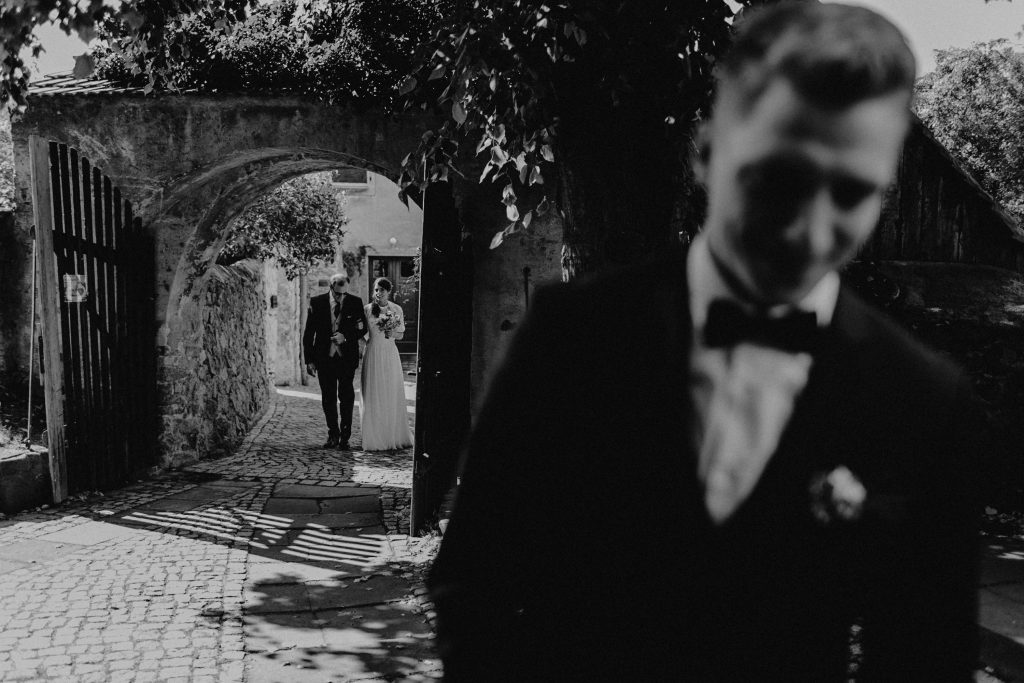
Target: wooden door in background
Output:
{"points": [[400, 270]]}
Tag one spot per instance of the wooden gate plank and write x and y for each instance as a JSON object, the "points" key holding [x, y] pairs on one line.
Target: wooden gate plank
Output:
{"points": [[102, 208], [106, 474], [85, 429], [49, 293]]}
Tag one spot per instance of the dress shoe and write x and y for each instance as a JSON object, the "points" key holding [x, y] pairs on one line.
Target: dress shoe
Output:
{"points": [[342, 445], [332, 442]]}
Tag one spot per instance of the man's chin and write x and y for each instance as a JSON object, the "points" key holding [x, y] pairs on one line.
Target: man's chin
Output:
{"points": [[775, 291]]}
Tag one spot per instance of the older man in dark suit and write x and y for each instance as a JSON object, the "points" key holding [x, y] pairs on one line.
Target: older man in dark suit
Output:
{"points": [[335, 322], [764, 465]]}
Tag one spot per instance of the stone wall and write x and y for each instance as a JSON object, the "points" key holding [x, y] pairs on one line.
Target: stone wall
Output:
{"points": [[218, 385], [504, 280]]}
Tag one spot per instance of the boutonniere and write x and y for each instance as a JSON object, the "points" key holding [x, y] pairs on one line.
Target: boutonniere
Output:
{"points": [[837, 496]]}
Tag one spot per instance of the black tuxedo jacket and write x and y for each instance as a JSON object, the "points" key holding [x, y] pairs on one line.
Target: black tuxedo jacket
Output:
{"points": [[316, 337], [580, 550]]}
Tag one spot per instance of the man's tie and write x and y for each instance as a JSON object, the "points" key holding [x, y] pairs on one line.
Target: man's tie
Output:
{"points": [[336, 315], [729, 324]]}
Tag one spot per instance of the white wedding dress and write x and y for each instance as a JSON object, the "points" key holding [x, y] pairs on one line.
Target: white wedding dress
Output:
{"points": [[385, 422]]}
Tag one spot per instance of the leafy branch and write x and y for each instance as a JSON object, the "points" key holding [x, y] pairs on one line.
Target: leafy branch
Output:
{"points": [[297, 225], [510, 73]]}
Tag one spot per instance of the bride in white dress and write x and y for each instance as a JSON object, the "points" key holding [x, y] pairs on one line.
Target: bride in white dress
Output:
{"points": [[385, 422]]}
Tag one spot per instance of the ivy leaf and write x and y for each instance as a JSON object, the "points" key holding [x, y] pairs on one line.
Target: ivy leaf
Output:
{"points": [[527, 219], [458, 113], [408, 85], [488, 167], [438, 72], [547, 153], [536, 178], [512, 212], [498, 238]]}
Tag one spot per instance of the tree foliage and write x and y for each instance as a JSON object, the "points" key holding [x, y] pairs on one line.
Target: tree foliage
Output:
{"points": [[515, 76], [298, 225], [331, 49], [974, 104], [148, 30]]}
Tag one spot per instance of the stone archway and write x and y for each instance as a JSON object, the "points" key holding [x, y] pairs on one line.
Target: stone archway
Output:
{"points": [[200, 209], [189, 163]]}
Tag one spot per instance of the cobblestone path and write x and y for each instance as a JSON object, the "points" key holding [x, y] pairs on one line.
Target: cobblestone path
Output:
{"points": [[281, 562]]}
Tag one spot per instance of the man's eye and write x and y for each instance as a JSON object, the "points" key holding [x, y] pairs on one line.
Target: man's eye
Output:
{"points": [[849, 193]]}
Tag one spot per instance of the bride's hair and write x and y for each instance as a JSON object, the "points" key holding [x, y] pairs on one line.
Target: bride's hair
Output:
{"points": [[384, 284]]}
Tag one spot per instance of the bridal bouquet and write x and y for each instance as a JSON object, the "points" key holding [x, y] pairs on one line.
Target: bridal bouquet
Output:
{"points": [[387, 321]]}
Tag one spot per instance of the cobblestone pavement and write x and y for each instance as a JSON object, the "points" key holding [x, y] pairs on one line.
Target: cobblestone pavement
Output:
{"points": [[281, 562]]}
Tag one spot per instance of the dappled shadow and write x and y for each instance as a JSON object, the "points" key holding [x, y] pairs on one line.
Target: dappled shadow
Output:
{"points": [[339, 628]]}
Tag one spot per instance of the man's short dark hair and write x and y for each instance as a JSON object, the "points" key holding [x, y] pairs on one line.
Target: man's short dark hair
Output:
{"points": [[834, 55]]}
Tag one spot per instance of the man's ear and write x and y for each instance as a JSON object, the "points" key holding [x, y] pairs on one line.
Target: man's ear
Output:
{"points": [[701, 152]]}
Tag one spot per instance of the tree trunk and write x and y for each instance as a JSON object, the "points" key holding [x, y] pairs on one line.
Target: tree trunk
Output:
{"points": [[624, 187]]}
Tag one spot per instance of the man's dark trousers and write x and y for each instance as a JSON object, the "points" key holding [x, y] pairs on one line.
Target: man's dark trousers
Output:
{"points": [[338, 396]]}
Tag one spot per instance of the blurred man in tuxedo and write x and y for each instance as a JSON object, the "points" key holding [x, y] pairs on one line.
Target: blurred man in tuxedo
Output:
{"points": [[762, 464]]}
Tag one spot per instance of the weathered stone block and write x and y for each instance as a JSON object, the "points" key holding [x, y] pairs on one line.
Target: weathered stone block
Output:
{"points": [[25, 481]]}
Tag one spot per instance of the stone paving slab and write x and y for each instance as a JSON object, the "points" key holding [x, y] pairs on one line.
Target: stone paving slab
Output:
{"points": [[272, 598], [337, 506], [170, 505], [292, 506], [396, 630], [310, 491], [231, 484], [204, 493], [265, 571], [89, 533], [12, 566], [354, 520], [368, 590], [1001, 616], [268, 635], [35, 551], [1002, 561], [381, 643]]}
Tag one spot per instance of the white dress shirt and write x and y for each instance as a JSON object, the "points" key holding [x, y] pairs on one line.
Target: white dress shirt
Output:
{"points": [[743, 396]]}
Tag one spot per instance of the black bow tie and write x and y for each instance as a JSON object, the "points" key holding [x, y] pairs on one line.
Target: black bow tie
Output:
{"points": [[728, 324]]}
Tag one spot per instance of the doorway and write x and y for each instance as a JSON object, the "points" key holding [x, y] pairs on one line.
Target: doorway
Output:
{"points": [[401, 270]]}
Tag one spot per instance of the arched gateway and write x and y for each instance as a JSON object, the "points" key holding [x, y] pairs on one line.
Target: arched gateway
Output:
{"points": [[189, 163]]}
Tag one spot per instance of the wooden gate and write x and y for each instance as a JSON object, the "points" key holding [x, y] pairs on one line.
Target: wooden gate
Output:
{"points": [[96, 291], [445, 348]]}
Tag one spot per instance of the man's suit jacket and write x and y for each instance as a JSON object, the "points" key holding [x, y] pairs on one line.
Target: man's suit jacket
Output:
{"points": [[580, 550], [316, 337]]}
